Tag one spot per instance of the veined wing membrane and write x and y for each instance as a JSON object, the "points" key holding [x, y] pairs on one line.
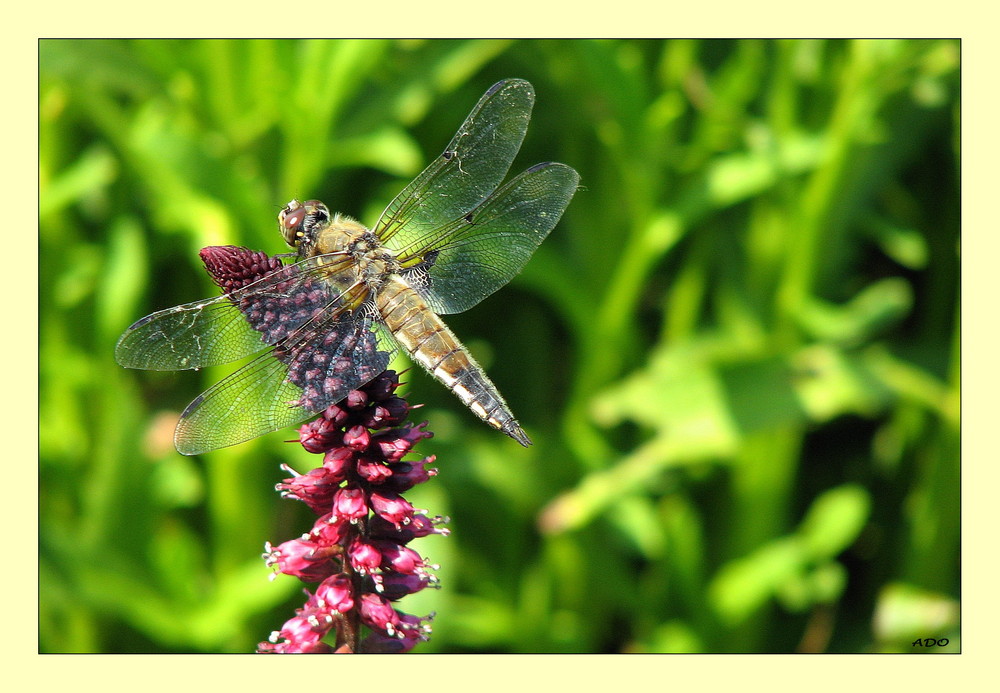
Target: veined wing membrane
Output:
{"points": [[216, 330], [472, 166], [255, 400], [474, 255], [287, 385], [194, 335]]}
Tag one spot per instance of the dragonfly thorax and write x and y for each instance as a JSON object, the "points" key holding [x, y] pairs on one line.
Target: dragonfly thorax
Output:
{"points": [[341, 235], [309, 228]]}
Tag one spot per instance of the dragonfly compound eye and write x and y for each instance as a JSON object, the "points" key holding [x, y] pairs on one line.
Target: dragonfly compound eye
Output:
{"points": [[290, 221]]}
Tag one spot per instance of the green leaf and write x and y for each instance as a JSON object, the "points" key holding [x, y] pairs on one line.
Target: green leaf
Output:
{"points": [[834, 521]]}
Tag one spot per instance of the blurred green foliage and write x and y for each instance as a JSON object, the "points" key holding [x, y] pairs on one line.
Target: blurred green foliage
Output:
{"points": [[737, 354]]}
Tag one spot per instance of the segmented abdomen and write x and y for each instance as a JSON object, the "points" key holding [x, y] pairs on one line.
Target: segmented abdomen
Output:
{"points": [[424, 335]]}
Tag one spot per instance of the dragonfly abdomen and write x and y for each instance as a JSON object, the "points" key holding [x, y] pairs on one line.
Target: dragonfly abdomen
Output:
{"points": [[428, 340]]}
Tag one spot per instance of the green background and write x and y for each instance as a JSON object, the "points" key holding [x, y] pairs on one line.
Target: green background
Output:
{"points": [[737, 354]]}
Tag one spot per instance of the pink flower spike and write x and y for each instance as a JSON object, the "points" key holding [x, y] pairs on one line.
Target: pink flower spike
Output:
{"points": [[356, 548]]}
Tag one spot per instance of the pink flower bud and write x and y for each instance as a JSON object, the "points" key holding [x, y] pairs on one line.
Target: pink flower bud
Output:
{"points": [[301, 558], [349, 503], [399, 558], [392, 507], [374, 471], [357, 438], [336, 593], [364, 556], [377, 612]]}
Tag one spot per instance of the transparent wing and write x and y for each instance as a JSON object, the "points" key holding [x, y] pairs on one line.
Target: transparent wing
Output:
{"points": [[303, 375], [472, 166], [469, 258], [193, 335], [226, 328]]}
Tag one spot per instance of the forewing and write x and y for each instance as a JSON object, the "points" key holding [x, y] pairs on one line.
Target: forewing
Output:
{"points": [[295, 380], [223, 329], [471, 167], [193, 335], [469, 258]]}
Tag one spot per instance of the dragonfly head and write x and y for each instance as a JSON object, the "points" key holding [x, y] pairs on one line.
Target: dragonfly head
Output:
{"points": [[301, 222]]}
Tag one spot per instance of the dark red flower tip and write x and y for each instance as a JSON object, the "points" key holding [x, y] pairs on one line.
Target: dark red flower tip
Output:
{"points": [[233, 267]]}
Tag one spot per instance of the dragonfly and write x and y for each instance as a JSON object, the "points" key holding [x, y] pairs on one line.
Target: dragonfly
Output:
{"points": [[350, 297]]}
